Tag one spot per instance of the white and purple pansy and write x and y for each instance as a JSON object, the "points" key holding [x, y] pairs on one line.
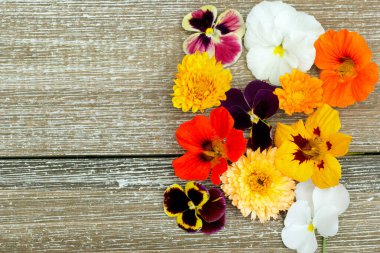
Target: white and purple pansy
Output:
{"points": [[222, 39]]}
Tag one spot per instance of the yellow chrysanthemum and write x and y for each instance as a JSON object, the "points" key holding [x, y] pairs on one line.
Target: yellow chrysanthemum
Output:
{"points": [[201, 83], [299, 93], [256, 187], [309, 150]]}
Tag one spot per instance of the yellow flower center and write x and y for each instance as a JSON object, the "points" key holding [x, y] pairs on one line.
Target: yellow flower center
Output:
{"points": [[214, 149], [313, 149], [347, 69], [279, 50], [209, 31], [310, 227], [191, 205], [254, 117], [259, 182]]}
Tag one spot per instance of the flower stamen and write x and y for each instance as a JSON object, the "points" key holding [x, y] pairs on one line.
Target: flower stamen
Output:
{"points": [[347, 69], [310, 227], [279, 50], [209, 31]]}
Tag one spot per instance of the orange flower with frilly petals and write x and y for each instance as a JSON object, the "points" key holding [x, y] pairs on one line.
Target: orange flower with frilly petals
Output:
{"points": [[348, 74], [299, 93]]}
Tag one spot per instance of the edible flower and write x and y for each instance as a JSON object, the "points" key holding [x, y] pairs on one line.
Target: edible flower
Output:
{"points": [[201, 83], [315, 209], [279, 39], [250, 109], [196, 208], [299, 93], [209, 143], [257, 187], [348, 74], [309, 150], [221, 39]]}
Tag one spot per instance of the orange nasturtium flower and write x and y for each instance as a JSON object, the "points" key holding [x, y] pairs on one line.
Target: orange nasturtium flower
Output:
{"points": [[348, 74], [309, 150]]}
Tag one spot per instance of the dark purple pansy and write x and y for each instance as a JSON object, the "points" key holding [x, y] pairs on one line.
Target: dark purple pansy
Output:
{"points": [[196, 208], [251, 108], [220, 38]]}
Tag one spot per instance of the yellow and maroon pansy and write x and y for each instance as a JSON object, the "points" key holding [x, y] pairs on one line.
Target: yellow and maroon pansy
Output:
{"points": [[196, 208], [309, 150], [221, 39]]}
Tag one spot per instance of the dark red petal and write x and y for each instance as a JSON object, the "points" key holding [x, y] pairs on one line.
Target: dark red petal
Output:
{"points": [[175, 200], [218, 170], [253, 87], [260, 136], [265, 104], [190, 166], [228, 48], [202, 19], [242, 120], [213, 227], [215, 207], [221, 121], [192, 134], [236, 145], [235, 98]]}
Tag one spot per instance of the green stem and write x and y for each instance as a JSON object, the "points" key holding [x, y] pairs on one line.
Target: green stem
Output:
{"points": [[324, 245]]}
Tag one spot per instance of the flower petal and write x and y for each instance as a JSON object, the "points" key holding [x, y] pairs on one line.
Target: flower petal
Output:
{"points": [[189, 221], [323, 122], [218, 170], [287, 163], [265, 104], [235, 98], [191, 166], [261, 61], [231, 21], [213, 227], [197, 193], [260, 136], [337, 197], [311, 244], [228, 49], [327, 172], [337, 144], [200, 20], [192, 134], [236, 145], [326, 221], [304, 191], [215, 208], [242, 120], [299, 214], [221, 121], [298, 237], [253, 87], [283, 133], [199, 42], [175, 200]]}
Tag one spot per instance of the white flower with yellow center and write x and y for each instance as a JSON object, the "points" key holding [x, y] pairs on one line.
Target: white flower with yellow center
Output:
{"points": [[279, 39], [315, 209]]}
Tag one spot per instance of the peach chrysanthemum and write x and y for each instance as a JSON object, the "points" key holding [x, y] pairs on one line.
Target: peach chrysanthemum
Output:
{"points": [[256, 187], [201, 83], [299, 93]]}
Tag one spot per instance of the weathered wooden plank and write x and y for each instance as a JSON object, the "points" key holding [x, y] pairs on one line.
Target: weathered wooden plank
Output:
{"points": [[95, 77], [65, 205]]}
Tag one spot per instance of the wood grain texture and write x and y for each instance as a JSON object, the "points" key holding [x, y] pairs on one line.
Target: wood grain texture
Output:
{"points": [[71, 205], [95, 77]]}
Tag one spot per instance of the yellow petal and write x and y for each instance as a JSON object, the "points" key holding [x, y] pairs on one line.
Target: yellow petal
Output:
{"points": [[285, 161], [323, 122], [327, 172], [338, 144], [283, 133], [299, 128], [189, 221], [197, 193], [175, 200]]}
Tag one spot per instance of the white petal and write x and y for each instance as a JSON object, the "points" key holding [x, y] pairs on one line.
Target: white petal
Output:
{"points": [[301, 47], [260, 61], [280, 67], [311, 244], [326, 221], [298, 214], [337, 197], [304, 191], [265, 12], [294, 237]]}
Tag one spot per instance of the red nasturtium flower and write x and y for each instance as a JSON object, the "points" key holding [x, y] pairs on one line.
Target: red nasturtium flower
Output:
{"points": [[209, 143]]}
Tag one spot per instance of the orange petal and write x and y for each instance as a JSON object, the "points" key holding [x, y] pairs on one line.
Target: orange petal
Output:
{"points": [[190, 166], [221, 121]]}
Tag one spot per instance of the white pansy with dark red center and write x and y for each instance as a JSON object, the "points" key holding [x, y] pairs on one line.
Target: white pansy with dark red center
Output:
{"points": [[220, 38]]}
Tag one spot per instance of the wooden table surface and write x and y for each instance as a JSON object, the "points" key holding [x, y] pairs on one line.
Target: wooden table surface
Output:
{"points": [[87, 129]]}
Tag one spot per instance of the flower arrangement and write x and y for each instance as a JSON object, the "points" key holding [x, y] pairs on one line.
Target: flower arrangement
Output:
{"points": [[280, 168]]}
